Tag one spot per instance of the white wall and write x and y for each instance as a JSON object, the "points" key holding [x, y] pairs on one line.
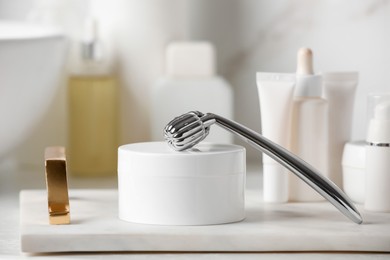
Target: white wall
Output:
{"points": [[250, 35], [265, 35]]}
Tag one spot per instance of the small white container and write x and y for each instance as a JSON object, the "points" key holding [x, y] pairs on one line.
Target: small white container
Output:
{"points": [[202, 186], [354, 170]]}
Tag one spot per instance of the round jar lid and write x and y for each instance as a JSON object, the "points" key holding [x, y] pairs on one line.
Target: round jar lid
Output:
{"points": [[158, 159]]}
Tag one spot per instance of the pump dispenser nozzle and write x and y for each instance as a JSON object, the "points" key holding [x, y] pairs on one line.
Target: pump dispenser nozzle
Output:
{"points": [[379, 126], [90, 32], [382, 111], [91, 49], [305, 62]]}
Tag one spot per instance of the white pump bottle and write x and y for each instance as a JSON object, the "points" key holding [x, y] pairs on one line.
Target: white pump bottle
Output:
{"points": [[378, 159]]}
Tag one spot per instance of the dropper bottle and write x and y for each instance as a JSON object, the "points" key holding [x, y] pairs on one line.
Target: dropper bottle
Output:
{"points": [[309, 129], [92, 94]]}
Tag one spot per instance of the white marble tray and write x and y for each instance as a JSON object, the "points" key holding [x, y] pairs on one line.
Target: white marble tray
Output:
{"points": [[284, 227]]}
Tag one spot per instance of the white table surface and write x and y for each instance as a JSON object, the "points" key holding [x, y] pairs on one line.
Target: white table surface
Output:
{"points": [[14, 180]]}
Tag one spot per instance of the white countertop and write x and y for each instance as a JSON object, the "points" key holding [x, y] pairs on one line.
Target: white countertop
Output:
{"points": [[12, 181]]}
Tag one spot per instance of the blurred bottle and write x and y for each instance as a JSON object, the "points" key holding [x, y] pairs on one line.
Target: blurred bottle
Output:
{"points": [[190, 84], [93, 117]]}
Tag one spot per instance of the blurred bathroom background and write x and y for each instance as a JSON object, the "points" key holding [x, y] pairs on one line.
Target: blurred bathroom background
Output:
{"points": [[249, 36]]}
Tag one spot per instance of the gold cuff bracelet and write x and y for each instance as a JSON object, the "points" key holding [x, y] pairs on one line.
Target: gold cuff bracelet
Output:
{"points": [[57, 186]]}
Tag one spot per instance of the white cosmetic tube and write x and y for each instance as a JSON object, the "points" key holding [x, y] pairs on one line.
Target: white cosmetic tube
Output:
{"points": [[275, 94], [339, 91]]}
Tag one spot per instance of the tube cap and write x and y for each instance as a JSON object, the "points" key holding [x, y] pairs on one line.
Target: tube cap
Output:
{"points": [[275, 183], [307, 84]]}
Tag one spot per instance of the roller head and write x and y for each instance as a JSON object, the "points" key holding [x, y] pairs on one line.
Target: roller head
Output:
{"points": [[185, 131]]}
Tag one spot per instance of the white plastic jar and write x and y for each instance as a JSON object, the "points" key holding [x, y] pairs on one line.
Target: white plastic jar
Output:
{"points": [[354, 170], [202, 186]]}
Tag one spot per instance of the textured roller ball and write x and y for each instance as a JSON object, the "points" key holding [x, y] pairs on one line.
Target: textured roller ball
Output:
{"points": [[185, 131]]}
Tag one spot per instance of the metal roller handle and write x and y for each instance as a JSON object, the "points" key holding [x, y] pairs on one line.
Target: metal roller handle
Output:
{"points": [[187, 130]]}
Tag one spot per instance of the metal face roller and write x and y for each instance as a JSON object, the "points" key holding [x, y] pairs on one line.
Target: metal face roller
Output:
{"points": [[189, 129]]}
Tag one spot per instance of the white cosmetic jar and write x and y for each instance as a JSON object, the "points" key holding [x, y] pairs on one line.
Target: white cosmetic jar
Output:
{"points": [[202, 186], [354, 170]]}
